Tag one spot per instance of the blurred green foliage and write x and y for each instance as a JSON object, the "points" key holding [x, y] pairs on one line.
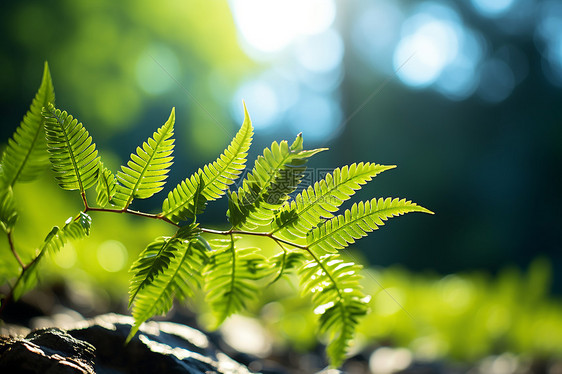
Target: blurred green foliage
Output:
{"points": [[110, 58], [462, 317]]}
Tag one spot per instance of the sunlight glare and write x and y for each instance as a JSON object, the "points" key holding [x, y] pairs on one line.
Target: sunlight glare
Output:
{"points": [[269, 26]]}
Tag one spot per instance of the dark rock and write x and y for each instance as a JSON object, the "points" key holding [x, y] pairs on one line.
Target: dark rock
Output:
{"points": [[159, 347], [47, 351], [98, 345]]}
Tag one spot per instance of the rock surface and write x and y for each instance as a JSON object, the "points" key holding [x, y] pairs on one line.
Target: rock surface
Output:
{"points": [[98, 346], [46, 351]]}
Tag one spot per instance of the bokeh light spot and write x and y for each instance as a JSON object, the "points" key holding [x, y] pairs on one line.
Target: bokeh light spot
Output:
{"points": [[420, 57], [376, 32], [549, 40], [67, 258], [492, 8], [458, 79], [261, 101], [112, 255]]}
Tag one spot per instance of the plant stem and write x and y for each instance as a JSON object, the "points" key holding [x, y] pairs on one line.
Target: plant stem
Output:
{"points": [[280, 273], [208, 231], [130, 211], [13, 249], [5, 301], [84, 200], [251, 233]]}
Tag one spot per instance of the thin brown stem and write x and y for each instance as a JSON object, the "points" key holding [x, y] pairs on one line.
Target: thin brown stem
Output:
{"points": [[280, 273], [209, 231], [251, 233], [13, 249], [133, 212], [84, 200], [10, 296]]}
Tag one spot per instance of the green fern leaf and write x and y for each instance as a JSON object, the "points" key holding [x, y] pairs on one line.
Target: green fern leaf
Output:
{"points": [[156, 259], [186, 200], [147, 170], [355, 223], [230, 279], [26, 157], [337, 298], [284, 262], [318, 202], [179, 280], [8, 213], [217, 177], [73, 155], [275, 175], [106, 186], [55, 240]]}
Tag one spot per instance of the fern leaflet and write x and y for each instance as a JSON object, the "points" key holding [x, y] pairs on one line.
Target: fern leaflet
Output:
{"points": [[275, 175], [318, 202], [156, 259], [182, 275], [8, 213], [106, 186], [230, 279], [73, 155], [285, 262], [337, 298], [355, 223], [25, 156], [55, 240], [147, 170], [216, 176]]}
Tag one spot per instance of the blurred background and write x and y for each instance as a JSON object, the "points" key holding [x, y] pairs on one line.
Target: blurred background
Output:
{"points": [[463, 96]]}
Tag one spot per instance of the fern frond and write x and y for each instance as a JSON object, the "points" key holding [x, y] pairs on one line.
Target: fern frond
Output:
{"points": [[275, 175], [216, 176], [8, 213], [337, 297], [355, 223], [230, 279], [72, 153], [284, 262], [147, 170], [55, 240], [317, 203], [106, 186], [179, 280], [156, 259], [186, 200], [26, 155]]}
